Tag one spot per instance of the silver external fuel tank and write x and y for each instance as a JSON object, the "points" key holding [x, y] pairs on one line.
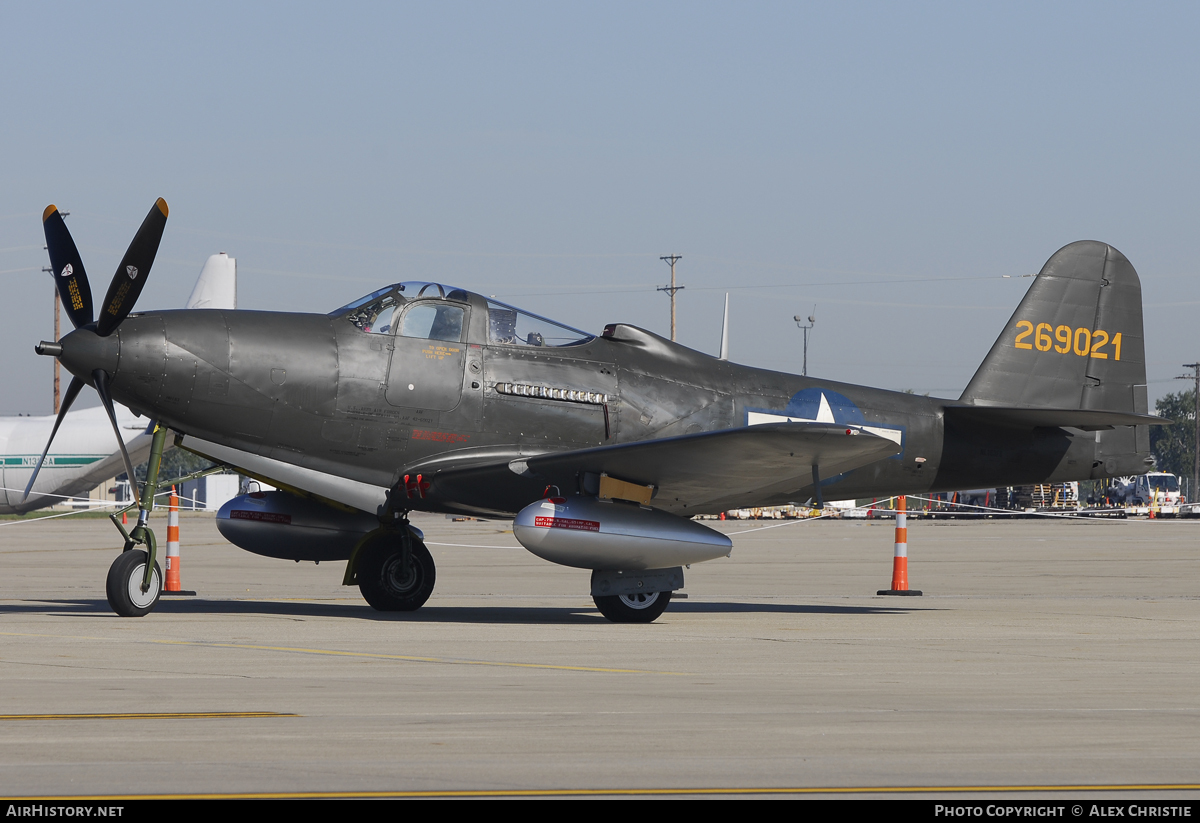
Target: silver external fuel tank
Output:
{"points": [[278, 524], [588, 533]]}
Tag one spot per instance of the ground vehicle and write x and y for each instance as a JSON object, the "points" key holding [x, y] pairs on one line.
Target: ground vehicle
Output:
{"points": [[1153, 489]]}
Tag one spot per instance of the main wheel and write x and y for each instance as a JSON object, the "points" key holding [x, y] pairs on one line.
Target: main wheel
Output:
{"points": [[633, 608], [124, 586], [384, 580]]}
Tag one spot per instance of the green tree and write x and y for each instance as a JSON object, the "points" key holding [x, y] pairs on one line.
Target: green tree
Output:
{"points": [[1174, 445]]}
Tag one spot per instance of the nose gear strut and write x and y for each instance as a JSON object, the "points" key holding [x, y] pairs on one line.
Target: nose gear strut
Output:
{"points": [[123, 592]]}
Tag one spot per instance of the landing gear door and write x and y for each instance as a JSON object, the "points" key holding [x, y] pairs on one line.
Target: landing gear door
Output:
{"points": [[429, 357]]}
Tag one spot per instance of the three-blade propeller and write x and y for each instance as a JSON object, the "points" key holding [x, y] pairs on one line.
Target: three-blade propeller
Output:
{"points": [[76, 295]]}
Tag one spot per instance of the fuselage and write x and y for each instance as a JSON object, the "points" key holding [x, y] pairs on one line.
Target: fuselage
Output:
{"points": [[379, 403]]}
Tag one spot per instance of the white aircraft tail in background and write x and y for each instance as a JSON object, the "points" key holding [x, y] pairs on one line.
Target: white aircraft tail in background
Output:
{"points": [[216, 287]]}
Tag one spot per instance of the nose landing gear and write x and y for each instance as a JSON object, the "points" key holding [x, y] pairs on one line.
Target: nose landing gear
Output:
{"points": [[135, 579], [125, 590]]}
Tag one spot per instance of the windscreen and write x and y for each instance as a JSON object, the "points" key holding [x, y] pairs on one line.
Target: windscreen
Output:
{"points": [[1164, 483], [374, 313]]}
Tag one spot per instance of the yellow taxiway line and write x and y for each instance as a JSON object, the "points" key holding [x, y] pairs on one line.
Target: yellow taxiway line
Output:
{"points": [[450, 661], [411, 658], [141, 715]]}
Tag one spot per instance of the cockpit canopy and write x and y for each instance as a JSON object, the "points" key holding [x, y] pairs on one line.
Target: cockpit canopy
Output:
{"points": [[435, 312]]}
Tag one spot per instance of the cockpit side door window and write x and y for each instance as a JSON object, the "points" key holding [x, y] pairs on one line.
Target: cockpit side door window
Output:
{"points": [[433, 321], [428, 356]]}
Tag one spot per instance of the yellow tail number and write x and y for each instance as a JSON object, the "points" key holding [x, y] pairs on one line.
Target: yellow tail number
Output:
{"points": [[1082, 341]]}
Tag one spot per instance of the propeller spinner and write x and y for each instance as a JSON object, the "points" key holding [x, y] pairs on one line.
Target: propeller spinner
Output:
{"points": [[76, 294]]}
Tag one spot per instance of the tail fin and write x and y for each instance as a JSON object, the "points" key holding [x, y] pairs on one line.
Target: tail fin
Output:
{"points": [[1076, 340], [725, 331], [216, 287]]}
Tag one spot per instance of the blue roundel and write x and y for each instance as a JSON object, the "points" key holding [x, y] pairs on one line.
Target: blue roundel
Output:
{"points": [[806, 404]]}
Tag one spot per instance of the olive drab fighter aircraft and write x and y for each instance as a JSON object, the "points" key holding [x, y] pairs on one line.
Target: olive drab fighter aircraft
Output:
{"points": [[424, 397]]}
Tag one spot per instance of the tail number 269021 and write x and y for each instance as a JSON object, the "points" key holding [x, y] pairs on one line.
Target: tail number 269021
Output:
{"points": [[1082, 341]]}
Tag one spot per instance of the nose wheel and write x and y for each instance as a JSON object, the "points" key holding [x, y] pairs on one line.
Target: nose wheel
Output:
{"points": [[128, 593]]}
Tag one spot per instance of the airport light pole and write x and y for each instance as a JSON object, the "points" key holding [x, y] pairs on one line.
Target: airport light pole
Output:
{"points": [[812, 321], [671, 289]]}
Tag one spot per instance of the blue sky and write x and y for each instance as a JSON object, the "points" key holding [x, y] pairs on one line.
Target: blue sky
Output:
{"points": [[888, 163]]}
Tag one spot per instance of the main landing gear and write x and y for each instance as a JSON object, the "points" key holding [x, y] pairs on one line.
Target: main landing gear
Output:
{"points": [[633, 608], [394, 570], [135, 579], [635, 596]]}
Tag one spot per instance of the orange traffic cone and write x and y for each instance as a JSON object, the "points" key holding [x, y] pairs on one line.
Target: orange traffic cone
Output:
{"points": [[173, 584], [900, 559]]}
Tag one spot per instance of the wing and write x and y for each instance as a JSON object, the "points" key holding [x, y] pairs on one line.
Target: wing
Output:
{"points": [[692, 474], [695, 473]]}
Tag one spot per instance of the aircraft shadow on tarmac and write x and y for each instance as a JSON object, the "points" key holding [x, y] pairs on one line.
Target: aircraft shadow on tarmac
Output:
{"points": [[429, 614]]}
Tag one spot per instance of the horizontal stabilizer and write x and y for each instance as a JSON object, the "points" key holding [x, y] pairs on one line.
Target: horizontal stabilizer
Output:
{"points": [[1033, 418]]}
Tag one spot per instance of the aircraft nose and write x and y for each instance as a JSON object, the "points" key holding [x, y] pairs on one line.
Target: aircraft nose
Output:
{"points": [[84, 351]]}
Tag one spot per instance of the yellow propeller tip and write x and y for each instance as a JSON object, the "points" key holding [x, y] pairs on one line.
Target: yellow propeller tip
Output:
{"points": [[162, 206], [49, 211]]}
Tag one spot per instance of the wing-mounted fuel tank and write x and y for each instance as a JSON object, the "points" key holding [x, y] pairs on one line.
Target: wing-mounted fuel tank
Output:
{"points": [[588, 533], [278, 524]]}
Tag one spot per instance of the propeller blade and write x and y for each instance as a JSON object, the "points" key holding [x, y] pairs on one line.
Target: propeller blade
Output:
{"points": [[100, 379], [69, 276], [130, 278], [68, 398]]}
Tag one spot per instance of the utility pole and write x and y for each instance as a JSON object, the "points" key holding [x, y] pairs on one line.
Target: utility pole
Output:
{"points": [[1195, 367], [50, 271], [812, 321], [671, 289]]}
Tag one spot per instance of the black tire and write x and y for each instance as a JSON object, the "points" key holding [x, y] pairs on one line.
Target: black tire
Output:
{"points": [[124, 585], [633, 608], [388, 587]]}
